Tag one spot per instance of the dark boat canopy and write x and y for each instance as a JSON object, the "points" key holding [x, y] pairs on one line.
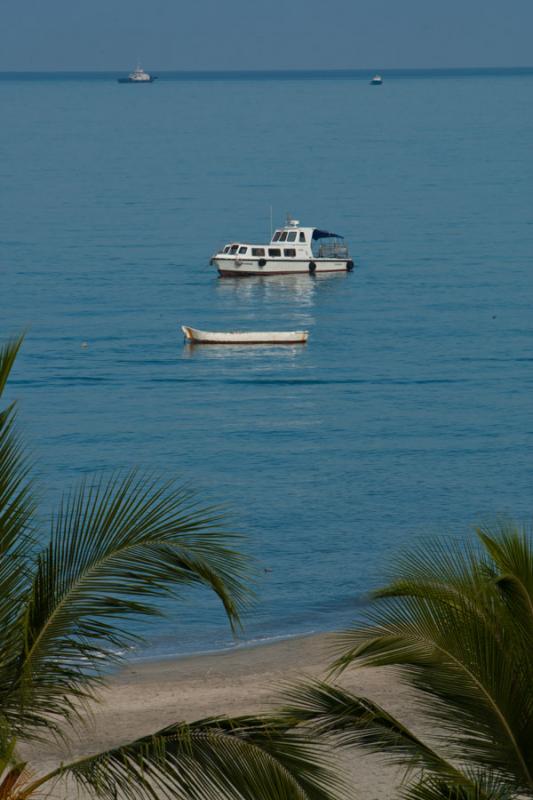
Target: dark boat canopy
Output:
{"points": [[317, 234]]}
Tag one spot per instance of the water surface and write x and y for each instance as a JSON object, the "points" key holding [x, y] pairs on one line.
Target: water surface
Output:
{"points": [[409, 412]]}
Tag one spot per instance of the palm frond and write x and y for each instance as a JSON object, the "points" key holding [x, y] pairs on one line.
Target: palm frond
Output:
{"points": [[511, 550], [483, 786], [246, 758], [16, 510], [8, 356], [347, 719], [447, 630], [16, 505], [114, 549]]}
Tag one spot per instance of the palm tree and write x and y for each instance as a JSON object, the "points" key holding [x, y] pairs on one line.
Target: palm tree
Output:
{"points": [[456, 623], [115, 547]]}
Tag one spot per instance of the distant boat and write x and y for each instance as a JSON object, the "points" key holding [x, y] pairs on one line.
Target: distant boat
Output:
{"points": [[244, 337], [138, 76], [377, 80]]}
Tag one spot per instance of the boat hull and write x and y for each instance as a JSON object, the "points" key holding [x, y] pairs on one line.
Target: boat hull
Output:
{"points": [[129, 80], [235, 268], [196, 336]]}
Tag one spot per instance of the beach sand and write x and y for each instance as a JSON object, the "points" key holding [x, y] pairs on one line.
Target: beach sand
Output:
{"points": [[148, 695]]}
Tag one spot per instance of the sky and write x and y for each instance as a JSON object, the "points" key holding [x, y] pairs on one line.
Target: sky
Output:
{"points": [[278, 34]]}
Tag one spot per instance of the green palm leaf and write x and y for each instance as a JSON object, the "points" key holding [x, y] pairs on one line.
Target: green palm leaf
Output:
{"points": [[453, 625], [246, 758], [114, 549], [350, 720], [8, 356], [482, 787], [16, 505], [511, 552], [16, 511]]}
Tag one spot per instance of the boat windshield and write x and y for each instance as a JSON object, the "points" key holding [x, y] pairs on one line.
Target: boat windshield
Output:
{"points": [[288, 236]]}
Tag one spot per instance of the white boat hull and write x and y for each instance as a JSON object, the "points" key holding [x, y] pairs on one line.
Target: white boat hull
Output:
{"points": [[244, 337], [232, 267]]}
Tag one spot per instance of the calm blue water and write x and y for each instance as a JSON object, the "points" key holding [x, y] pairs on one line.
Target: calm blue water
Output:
{"points": [[410, 411]]}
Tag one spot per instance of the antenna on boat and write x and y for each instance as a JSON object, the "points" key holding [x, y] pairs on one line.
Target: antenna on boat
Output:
{"points": [[271, 227]]}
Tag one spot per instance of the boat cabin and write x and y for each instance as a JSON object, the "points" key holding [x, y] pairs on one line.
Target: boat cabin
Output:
{"points": [[293, 241], [291, 249]]}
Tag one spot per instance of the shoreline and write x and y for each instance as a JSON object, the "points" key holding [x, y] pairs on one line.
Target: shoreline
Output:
{"points": [[142, 656], [288, 649], [142, 697]]}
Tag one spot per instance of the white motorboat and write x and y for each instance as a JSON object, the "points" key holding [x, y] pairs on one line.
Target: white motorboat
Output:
{"points": [[293, 249], [195, 336], [138, 76], [377, 80]]}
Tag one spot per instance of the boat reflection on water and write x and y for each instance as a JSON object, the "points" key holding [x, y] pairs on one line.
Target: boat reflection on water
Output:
{"points": [[301, 288], [250, 351]]}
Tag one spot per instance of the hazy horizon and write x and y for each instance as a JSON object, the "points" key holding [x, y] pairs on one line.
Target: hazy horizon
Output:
{"points": [[269, 71], [244, 36]]}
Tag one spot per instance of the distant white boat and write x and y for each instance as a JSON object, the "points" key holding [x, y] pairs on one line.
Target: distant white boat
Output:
{"points": [[377, 80], [244, 337], [138, 76]]}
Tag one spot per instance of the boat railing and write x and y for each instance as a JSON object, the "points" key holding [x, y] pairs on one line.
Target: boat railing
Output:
{"points": [[333, 250]]}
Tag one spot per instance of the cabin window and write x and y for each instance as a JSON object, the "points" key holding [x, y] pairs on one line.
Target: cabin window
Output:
{"points": [[226, 249], [258, 251], [243, 250], [234, 248], [302, 236], [283, 236], [274, 252], [290, 252], [292, 236], [276, 236]]}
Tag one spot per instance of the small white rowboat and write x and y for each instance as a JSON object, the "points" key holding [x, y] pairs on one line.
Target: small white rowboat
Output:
{"points": [[244, 337]]}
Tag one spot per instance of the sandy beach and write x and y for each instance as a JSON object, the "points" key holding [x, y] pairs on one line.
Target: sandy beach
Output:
{"points": [[147, 695]]}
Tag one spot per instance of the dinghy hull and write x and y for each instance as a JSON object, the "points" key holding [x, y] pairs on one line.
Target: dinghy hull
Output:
{"points": [[196, 336]]}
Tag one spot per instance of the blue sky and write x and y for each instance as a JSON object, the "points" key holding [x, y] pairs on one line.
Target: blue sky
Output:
{"points": [[246, 34]]}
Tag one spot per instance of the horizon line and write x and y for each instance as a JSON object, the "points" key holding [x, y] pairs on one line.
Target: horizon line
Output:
{"points": [[273, 71]]}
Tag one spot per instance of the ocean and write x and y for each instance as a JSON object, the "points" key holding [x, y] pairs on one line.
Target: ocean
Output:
{"points": [[408, 415]]}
